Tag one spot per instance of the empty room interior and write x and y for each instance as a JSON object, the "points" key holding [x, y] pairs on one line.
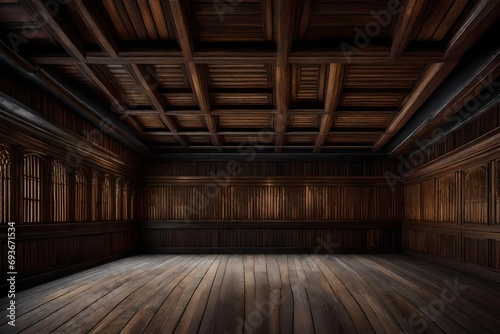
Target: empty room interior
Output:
{"points": [[249, 166]]}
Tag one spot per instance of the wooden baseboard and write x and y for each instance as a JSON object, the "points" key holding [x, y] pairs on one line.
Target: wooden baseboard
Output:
{"points": [[260, 250], [469, 268]]}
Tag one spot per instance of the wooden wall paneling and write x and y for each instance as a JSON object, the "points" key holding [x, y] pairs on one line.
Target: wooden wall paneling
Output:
{"points": [[388, 203], [475, 249], [272, 237], [475, 192], [290, 201], [496, 183], [104, 150], [496, 254], [447, 199], [472, 172], [428, 193], [413, 202], [45, 253]]}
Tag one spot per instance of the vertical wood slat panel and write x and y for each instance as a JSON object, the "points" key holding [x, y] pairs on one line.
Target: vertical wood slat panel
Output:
{"points": [[412, 202], [210, 238], [428, 200], [270, 202], [497, 192], [42, 253], [447, 199]]}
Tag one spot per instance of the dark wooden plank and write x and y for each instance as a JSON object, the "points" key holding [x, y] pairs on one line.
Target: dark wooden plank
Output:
{"points": [[286, 296], [261, 293], [59, 310], [193, 313], [209, 315], [136, 303], [168, 315], [88, 317], [302, 318], [422, 298]]}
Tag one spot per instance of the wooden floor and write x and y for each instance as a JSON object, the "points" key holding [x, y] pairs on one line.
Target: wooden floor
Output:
{"points": [[261, 294]]}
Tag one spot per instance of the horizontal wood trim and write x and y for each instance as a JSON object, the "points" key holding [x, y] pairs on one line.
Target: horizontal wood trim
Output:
{"points": [[477, 151], [72, 148], [477, 229], [259, 180], [275, 224], [327, 239], [61, 230]]}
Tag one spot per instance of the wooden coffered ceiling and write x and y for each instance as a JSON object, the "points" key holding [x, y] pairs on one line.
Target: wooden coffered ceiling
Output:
{"points": [[211, 75]]}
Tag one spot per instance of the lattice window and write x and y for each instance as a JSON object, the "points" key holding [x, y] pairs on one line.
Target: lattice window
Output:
{"points": [[118, 199], [80, 194], [96, 191], [60, 192], [5, 185], [126, 200], [32, 192], [106, 198]]}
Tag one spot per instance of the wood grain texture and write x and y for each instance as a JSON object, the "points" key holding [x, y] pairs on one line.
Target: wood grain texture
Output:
{"points": [[261, 294]]}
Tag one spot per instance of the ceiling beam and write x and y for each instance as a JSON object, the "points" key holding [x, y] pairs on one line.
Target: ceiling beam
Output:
{"points": [[47, 20], [434, 75], [196, 75], [405, 27], [76, 50], [257, 132], [484, 13], [309, 56], [98, 30], [476, 70], [284, 33], [73, 46], [81, 105], [136, 72], [139, 75], [334, 85]]}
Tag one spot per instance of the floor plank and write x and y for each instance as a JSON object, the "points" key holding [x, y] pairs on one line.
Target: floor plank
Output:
{"points": [[337, 293]]}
